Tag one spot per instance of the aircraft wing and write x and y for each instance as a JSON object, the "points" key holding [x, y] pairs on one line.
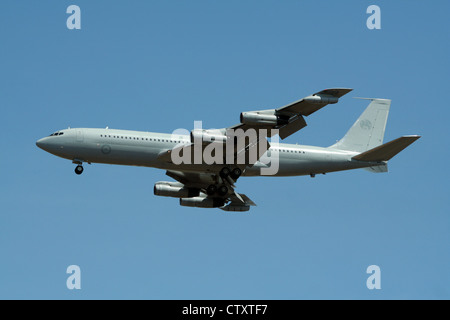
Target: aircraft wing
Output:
{"points": [[290, 118], [256, 126]]}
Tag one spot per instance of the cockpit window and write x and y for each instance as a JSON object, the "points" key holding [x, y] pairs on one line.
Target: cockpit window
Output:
{"points": [[57, 134]]}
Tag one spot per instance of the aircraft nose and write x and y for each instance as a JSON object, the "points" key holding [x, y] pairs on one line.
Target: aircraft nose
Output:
{"points": [[41, 143]]}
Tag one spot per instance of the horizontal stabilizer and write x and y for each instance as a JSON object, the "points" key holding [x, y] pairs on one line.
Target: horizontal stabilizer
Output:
{"points": [[386, 151], [382, 168]]}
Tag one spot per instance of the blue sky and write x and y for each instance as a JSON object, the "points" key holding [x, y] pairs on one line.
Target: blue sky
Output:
{"points": [[160, 65]]}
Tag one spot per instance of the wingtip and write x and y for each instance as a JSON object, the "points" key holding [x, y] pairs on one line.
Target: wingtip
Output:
{"points": [[413, 136], [337, 92]]}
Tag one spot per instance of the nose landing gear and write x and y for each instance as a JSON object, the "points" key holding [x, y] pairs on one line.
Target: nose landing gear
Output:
{"points": [[79, 169]]}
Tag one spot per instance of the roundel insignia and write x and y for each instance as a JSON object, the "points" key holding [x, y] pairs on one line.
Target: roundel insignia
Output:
{"points": [[106, 149], [365, 124]]}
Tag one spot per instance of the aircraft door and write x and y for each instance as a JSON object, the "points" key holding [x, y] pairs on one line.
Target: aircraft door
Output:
{"points": [[80, 135]]}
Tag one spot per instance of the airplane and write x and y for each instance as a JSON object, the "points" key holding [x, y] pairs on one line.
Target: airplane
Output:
{"points": [[207, 184]]}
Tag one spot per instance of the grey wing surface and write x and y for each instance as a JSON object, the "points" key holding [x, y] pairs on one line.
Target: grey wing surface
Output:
{"points": [[256, 126], [290, 118]]}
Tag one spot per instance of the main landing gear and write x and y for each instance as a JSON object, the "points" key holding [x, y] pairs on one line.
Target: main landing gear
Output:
{"points": [[236, 173], [221, 190], [233, 174], [229, 177]]}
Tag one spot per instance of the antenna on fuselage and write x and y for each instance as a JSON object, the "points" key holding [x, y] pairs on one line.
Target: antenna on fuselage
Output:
{"points": [[107, 127]]}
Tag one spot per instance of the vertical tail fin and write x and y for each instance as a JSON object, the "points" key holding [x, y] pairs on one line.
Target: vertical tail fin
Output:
{"points": [[368, 131]]}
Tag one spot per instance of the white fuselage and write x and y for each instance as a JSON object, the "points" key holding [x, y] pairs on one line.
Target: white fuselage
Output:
{"points": [[136, 148]]}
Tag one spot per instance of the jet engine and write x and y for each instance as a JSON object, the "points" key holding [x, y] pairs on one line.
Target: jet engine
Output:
{"points": [[207, 136], [174, 189], [256, 118], [202, 202]]}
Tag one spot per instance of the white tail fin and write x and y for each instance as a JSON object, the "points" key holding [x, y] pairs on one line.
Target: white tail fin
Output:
{"points": [[368, 131]]}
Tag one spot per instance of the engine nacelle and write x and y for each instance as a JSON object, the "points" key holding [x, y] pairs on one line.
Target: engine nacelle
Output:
{"points": [[207, 136], [255, 118], [174, 189], [321, 99], [202, 202]]}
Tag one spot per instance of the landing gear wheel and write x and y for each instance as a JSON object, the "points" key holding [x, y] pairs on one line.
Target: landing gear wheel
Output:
{"points": [[225, 172], [236, 173], [79, 170], [211, 190], [222, 191]]}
